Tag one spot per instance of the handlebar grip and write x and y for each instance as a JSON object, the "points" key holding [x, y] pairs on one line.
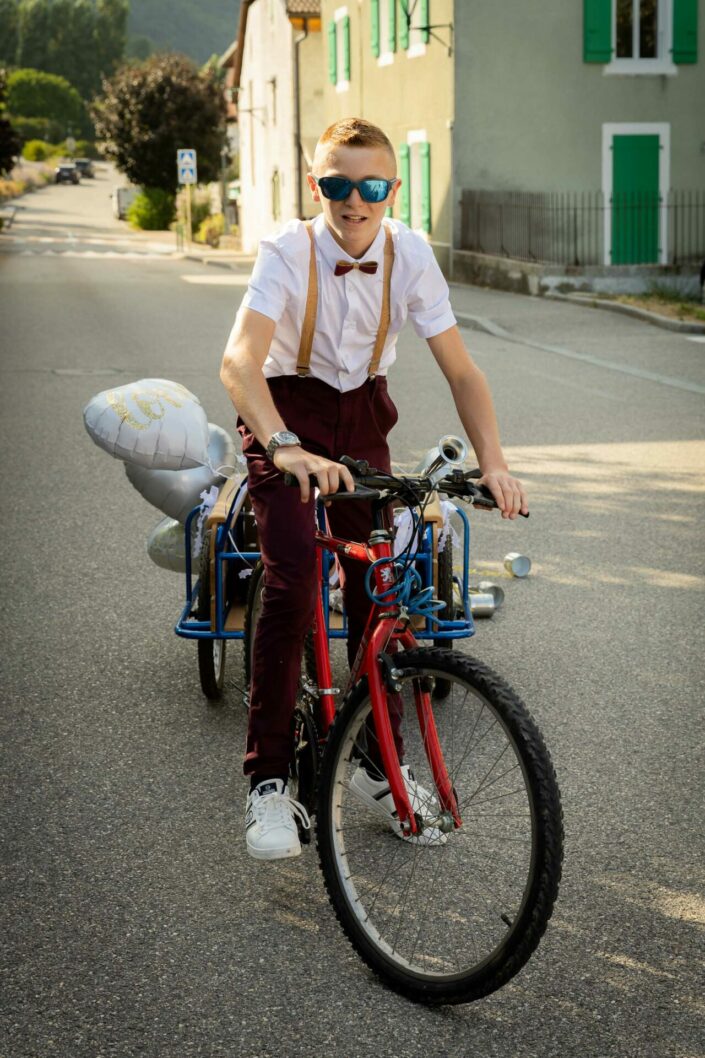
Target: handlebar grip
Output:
{"points": [[361, 491]]}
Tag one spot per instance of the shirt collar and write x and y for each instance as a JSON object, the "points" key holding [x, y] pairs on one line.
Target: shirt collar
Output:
{"points": [[332, 252]]}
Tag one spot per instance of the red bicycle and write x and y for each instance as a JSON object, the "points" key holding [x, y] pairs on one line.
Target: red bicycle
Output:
{"points": [[448, 899]]}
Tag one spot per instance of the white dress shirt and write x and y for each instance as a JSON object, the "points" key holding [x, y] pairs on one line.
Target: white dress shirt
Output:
{"points": [[349, 306]]}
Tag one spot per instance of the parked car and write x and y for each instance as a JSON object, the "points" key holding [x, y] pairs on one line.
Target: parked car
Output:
{"points": [[66, 174], [85, 167], [123, 197]]}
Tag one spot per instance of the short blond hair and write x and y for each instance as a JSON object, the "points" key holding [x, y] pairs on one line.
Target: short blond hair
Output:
{"points": [[353, 132]]}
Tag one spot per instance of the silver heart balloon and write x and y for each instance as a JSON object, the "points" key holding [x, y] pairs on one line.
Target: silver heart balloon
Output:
{"points": [[150, 423], [166, 546], [176, 492]]}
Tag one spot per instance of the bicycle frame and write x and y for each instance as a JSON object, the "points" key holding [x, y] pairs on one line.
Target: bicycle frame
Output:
{"points": [[382, 628]]}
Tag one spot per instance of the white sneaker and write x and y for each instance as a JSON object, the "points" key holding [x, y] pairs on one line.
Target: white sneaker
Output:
{"points": [[270, 821], [377, 795]]}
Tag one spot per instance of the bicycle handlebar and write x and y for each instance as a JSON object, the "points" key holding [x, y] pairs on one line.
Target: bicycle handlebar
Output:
{"points": [[372, 484]]}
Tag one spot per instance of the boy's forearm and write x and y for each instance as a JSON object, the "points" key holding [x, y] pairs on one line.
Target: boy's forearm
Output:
{"points": [[473, 401]]}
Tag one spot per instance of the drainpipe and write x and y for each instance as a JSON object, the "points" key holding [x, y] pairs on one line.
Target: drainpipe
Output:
{"points": [[298, 41], [451, 268]]}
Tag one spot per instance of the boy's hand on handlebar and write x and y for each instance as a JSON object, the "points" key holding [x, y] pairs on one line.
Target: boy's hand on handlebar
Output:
{"points": [[330, 475], [508, 492]]}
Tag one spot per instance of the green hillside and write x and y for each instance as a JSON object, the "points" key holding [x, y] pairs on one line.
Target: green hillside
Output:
{"points": [[197, 29]]}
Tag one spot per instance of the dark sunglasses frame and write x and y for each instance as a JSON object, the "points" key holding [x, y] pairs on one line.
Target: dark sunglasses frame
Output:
{"points": [[338, 188]]}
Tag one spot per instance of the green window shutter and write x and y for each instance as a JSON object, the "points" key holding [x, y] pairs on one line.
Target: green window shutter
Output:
{"points": [[685, 31], [345, 25], [597, 30], [332, 55], [405, 189], [374, 27], [424, 16], [425, 152], [392, 25], [404, 24]]}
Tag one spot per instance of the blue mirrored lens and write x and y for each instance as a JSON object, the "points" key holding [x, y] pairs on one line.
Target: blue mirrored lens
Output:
{"points": [[335, 187], [374, 190], [338, 187]]}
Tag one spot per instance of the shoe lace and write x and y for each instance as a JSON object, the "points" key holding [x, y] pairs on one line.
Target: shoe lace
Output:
{"points": [[279, 809]]}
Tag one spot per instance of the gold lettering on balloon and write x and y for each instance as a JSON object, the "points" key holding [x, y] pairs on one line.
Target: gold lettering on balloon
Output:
{"points": [[145, 401]]}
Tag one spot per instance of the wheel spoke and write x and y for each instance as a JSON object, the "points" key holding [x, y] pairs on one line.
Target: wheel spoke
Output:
{"points": [[441, 906]]}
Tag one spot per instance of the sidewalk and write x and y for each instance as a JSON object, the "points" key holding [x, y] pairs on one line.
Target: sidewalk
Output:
{"points": [[475, 307]]}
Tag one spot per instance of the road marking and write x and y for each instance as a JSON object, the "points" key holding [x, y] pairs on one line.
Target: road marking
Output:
{"points": [[696, 338], [485, 324], [231, 280]]}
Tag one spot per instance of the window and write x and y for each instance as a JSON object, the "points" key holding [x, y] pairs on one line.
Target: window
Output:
{"points": [[415, 172], [273, 99], [637, 29], [640, 36], [339, 50], [383, 30], [413, 22]]}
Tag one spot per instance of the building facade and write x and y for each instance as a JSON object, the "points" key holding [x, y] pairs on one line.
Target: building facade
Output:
{"points": [[600, 102], [390, 61], [280, 110]]}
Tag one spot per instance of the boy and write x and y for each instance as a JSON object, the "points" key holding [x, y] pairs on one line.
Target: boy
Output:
{"points": [[305, 366]]}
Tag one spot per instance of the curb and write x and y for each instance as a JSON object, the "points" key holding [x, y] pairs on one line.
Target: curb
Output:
{"points": [[207, 261], [679, 326]]}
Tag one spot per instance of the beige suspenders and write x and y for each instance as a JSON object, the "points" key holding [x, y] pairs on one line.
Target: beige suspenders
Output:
{"points": [[309, 324]]}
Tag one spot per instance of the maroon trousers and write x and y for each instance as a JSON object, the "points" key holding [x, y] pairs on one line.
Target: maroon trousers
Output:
{"points": [[331, 424]]}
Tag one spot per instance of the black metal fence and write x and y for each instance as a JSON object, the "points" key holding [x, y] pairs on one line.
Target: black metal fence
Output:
{"points": [[584, 227]]}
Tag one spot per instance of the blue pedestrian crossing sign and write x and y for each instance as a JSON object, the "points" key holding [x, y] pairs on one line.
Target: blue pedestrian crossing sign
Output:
{"points": [[186, 165]]}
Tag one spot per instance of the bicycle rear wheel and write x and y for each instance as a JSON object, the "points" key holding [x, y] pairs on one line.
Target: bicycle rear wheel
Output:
{"points": [[454, 919]]}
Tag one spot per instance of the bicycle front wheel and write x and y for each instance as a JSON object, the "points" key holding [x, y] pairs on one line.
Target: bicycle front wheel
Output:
{"points": [[453, 918]]}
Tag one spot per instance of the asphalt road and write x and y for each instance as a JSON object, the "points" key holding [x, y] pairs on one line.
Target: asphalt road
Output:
{"points": [[135, 923]]}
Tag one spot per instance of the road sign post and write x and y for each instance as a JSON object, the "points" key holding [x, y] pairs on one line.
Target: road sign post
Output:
{"points": [[187, 167]]}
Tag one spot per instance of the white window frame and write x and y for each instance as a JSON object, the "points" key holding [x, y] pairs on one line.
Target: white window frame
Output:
{"points": [[417, 45], [664, 35], [413, 138], [338, 15], [646, 128], [386, 53]]}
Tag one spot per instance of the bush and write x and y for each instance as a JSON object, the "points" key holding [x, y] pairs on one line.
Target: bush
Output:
{"points": [[38, 129], [200, 208], [37, 150], [11, 189], [35, 94], [210, 230], [87, 149], [152, 210]]}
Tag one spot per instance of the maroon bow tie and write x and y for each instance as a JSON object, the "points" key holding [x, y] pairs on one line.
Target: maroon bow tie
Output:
{"points": [[368, 267]]}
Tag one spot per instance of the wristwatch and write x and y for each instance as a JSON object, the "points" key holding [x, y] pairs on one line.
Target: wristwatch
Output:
{"points": [[282, 439]]}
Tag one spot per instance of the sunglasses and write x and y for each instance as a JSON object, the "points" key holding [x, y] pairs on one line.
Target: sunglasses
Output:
{"points": [[339, 187]]}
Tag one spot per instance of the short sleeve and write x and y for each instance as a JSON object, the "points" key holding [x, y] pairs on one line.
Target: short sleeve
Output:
{"points": [[267, 290], [429, 298]]}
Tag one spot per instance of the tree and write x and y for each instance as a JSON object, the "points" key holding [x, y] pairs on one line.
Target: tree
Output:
{"points": [[8, 32], [110, 37], [34, 94], [150, 110], [9, 140], [33, 34], [81, 40]]}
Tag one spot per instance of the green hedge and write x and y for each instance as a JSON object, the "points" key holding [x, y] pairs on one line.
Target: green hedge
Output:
{"points": [[152, 210]]}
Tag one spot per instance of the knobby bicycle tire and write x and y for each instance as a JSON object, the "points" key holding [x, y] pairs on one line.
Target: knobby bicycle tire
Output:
{"points": [[454, 919], [211, 652]]}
